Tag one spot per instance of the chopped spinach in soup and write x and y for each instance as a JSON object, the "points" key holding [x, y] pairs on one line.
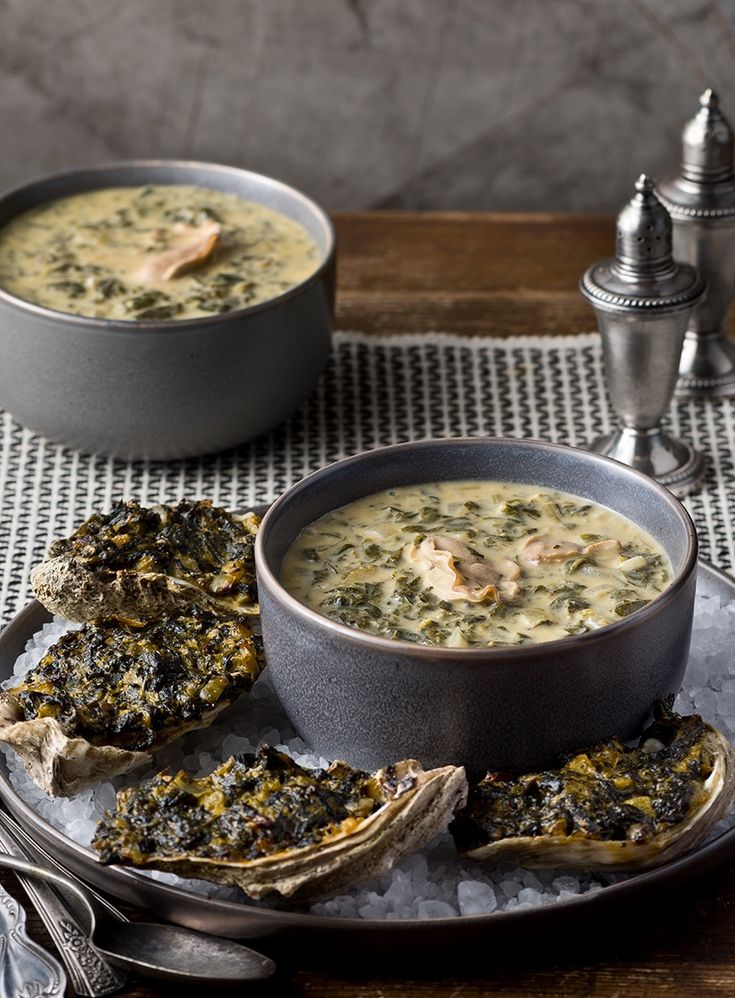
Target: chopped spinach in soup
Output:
{"points": [[475, 564], [156, 252]]}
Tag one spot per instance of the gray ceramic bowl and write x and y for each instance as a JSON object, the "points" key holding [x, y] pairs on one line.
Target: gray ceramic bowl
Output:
{"points": [[167, 389], [373, 700]]}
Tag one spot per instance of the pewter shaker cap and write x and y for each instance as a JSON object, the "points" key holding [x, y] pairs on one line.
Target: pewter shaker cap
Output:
{"points": [[643, 275], [707, 143], [704, 189], [643, 245]]}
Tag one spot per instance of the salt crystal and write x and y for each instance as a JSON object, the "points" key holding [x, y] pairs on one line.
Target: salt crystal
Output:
{"points": [[698, 673], [510, 888], [433, 883], [475, 898], [400, 883], [529, 896], [706, 702], [531, 880], [416, 866], [568, 884]]}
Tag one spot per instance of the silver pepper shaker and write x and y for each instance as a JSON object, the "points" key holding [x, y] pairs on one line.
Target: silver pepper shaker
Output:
{"points": [[701, 202], [643, 300]]}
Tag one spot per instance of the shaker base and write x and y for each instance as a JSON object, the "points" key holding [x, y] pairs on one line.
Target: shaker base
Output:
{"points": [[707, 367], [669, 460]]}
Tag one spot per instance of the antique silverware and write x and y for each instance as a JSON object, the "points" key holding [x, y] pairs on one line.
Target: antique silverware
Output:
{"points": [[643, 300], [155, 949], [26, 970], [701, 202], [36, 853], [89, 973]]}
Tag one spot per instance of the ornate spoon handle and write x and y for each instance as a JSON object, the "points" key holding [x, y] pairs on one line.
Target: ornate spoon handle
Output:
{"points": [[89, 974], [26, 970]]}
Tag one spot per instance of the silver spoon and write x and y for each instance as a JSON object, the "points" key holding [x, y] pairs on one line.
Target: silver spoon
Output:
{"points": [[25, 968], [154, 949], [88, 972]]}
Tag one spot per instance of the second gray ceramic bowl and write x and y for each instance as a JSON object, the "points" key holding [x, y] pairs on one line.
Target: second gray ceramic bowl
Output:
{"points": [[167, 389], [372, 701]]}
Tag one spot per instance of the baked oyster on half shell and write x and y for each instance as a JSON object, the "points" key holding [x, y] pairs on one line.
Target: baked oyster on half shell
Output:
{"points": [[142, 563], [610, 807], [104, 698], [265, 824]]}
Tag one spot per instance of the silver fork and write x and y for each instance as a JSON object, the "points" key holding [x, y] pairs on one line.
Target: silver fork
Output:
{"points": [[89, 974]]}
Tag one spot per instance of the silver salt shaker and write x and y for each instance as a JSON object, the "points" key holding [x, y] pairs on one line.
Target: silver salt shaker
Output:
{"points": [[701, 202], [643, 301]]}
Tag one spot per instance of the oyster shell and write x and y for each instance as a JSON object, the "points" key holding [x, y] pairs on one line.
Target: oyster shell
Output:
{"points": [[268, 826], [106, 697], [58, 763], [609, 808], [142, 563]]}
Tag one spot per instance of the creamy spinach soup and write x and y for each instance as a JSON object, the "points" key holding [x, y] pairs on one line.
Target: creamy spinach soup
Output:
{"points": [[156, 252], [475, 563]]}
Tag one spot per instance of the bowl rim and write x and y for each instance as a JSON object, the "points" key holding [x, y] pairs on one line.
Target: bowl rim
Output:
{"points": [[478, 655], [167, 325], [127, 880]]}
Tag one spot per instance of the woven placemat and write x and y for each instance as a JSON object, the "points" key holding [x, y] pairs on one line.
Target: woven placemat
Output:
{"points": [[375, 391]]}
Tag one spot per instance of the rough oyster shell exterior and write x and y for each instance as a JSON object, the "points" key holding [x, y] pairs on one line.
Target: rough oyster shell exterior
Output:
{"points": [[62, 764], [68, 587], [579, 853], [407, 821]]}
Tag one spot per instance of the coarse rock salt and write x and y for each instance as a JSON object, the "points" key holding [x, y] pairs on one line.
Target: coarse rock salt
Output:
{"points": [[475, 898], [433, 883], [569, 885]]}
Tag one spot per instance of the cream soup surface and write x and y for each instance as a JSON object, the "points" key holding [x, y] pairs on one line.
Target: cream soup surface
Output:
{"points": [[155, 252], [474, 563]]}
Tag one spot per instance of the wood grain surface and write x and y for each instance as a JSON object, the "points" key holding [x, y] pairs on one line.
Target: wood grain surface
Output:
{"points": [[499, 275], [493, 275]]}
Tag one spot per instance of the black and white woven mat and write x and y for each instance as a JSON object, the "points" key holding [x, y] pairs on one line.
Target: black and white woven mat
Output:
{"points": [[376, 390]]}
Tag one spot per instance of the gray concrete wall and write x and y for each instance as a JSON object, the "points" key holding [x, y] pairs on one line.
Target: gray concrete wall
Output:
{"points": [[466, 104]]}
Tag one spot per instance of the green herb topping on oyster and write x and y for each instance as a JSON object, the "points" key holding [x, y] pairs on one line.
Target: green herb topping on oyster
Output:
{"points": [[138, 562], [266, 824], [105, 697], [608, 807]]}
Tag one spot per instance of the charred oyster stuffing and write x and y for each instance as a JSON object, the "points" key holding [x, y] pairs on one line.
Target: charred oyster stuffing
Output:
{"points": [[609, 807], [106, 696], [265, 824], [139, 562]]}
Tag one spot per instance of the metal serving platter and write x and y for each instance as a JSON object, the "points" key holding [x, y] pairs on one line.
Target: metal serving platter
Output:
{"points": [[252, 921]]}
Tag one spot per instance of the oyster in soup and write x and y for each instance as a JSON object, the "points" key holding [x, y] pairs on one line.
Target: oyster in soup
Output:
{"points": [[158, 252], [475, 563], [267, 825]]}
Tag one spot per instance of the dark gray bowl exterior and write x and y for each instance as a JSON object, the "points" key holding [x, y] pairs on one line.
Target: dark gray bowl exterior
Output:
{"points": [[373, 701], [167, 389], [402, 939]]}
